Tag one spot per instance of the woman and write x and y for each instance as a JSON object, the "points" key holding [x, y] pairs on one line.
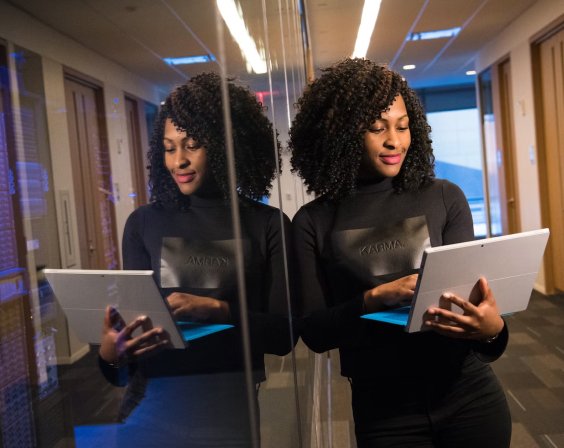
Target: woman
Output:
{"points": [[360, 140], [197, 396]]}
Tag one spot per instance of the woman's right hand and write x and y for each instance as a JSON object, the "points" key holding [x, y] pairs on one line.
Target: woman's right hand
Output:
{"points": [[120, 347], [390, 295]]}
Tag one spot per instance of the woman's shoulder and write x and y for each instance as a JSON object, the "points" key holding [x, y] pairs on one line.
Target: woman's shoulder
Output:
{"points": [[260, 212], [444, 187]]}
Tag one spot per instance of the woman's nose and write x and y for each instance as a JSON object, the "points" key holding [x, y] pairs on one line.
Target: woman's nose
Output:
{"points": [[181, 160], [392, 142]]}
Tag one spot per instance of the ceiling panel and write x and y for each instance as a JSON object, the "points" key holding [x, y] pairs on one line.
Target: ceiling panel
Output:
{"points": [[137, 33]]}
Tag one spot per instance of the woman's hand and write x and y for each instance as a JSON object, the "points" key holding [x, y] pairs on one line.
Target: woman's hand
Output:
{"points": [[118, 345], [390, 295], [196, 308], [478, 322]]}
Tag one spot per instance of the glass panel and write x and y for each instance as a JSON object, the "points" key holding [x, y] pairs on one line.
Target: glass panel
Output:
{"points": [[492, 153], [270, 67], [79, 365], [458, 157]]}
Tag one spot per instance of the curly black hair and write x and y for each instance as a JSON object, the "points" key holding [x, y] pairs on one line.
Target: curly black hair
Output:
{"points": [[196, 108], [334, 112]]}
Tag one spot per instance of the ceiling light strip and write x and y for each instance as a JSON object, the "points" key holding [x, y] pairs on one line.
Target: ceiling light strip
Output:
{"points": [[366, 28], [234, 21], [455, 36], [437, 34], [188, 60], [409, 33], [175, 14]]}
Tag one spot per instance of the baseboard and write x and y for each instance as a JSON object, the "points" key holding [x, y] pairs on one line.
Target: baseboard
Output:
{"points": [[66, 360]]}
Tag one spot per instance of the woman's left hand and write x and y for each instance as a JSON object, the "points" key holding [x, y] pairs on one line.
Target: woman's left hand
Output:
{"points": [[197, 308], [478, 322]]}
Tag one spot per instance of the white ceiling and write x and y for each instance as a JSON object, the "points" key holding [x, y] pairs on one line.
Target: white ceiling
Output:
{"points": [[138, 34], [334, 25]]}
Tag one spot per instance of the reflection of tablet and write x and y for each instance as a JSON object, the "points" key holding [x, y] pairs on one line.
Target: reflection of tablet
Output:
{"points": [[509, 263], [85, 294]]}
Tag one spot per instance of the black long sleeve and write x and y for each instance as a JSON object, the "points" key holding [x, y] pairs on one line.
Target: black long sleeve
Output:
{"points": [[194, 252], [375, 237]]}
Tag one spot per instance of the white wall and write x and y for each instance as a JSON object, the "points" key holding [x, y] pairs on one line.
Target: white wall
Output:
{"points": [[57, 51], [513, 41]]}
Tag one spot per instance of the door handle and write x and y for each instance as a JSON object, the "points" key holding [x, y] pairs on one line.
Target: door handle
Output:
{"points": [[91, 248], [510, 200]]}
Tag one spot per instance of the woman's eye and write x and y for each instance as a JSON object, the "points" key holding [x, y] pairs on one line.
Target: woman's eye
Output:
{"points": [[377, 131], [169, 149], [193, 148], [403, 129]]}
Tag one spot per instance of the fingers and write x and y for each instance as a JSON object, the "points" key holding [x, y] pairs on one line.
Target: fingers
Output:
{"points": [[113, 320], [484, 287], [151, 350], [177, 299], [412, 281], [107, 318], [130, 328], [466, 306], [449, 315], [152, 335], [450, 331]]}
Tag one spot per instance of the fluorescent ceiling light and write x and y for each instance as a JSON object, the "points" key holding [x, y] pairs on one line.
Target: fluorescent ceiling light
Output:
{"points": [[188, 60], [234, 20], [367, 22], [409, 67], [471, 72], [425, 35]]}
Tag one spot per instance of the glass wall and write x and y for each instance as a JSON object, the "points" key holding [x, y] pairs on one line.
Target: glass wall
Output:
{"points": [[192, 342]]}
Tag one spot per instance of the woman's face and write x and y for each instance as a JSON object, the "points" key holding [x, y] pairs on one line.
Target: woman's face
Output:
{"points": [[185, 158], [386, 143]]}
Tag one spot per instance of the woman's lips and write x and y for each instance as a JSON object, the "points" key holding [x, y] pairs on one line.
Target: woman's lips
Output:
{"points": [[392, 159], [185, 178]]}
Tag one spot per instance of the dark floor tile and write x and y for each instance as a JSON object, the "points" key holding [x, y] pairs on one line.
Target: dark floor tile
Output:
{"points": [[519, 380]]}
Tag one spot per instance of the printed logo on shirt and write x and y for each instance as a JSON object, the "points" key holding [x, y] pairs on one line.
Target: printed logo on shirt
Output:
{"points": [[383, 251], [208, 261], [199, 264], [380, 247]]}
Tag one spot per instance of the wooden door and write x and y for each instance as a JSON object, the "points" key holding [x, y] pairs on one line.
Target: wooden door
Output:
{"points": [[91, 177], [552, 86], [512, 216], [138, 165]]}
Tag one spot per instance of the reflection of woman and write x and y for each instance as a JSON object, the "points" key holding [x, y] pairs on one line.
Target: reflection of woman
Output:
{"points": [[361, 140], [197, 396]]}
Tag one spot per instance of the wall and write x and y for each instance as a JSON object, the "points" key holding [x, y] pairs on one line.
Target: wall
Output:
{"points": [[513, 41], [57, 51]]}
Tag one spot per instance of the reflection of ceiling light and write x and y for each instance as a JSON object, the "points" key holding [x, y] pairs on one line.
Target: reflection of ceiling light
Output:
{"points": [[409, 67], [425, 35], [471, 72], [234, 21], [188, 60], [367, 22]]}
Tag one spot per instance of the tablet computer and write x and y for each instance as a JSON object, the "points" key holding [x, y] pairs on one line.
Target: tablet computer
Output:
{"points": [[85, 294], [509, 264]]}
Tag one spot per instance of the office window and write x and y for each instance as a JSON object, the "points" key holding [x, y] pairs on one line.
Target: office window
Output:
{"points": [[458, 157]]}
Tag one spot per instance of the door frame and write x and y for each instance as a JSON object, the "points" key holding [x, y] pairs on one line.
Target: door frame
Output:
{"points": [[98, 88], [505, 138], [139, 164], [542, 160]]}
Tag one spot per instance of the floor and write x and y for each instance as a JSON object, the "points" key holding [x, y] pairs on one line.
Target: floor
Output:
{"points": [[531, 372]]}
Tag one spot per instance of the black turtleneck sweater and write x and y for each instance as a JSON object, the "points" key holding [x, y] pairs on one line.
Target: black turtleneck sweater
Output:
{"points": [[371, 238], [194, 252]]}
